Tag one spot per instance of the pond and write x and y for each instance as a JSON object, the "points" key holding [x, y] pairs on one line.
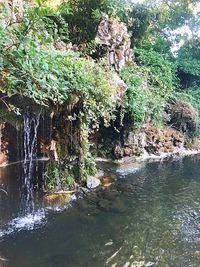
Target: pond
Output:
{"points": [[149, 217]]}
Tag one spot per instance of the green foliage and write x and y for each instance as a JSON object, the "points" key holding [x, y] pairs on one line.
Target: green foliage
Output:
{"points": [[152, 22], [140, 19], [58, 178], [161, 71], [10, 117], [35, 71], [70, 180], [137, 98], [150, 84], [81, 17], [158, 44], [174, 13], [55, 24], [81, 21], [188, 65], [188, 60], [52, 176], [87, 166]]}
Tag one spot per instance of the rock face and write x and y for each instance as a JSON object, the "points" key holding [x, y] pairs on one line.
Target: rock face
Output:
{"points": [[163, 141], [15, 9], [121, 87], [113, 38], [150, 140]]}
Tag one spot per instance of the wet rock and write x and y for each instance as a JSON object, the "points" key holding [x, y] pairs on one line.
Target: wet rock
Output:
{"points": [[60, 45], [93, 182], [107, 181], [110, 205], [193, 144], [118, 151], [118, 206], [130, 140], [83, 190], [86, 205], [58, 199], [128, 151], [104, 203]]}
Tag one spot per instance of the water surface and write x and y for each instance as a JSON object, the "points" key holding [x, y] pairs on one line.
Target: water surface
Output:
{"points": [[150, 217]]}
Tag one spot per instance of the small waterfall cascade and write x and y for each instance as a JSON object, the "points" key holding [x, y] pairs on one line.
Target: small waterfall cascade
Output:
{"points": [[0, 137], [30, 128]]}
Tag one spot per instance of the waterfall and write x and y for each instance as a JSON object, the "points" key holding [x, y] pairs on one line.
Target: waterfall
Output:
{"points": [[0, 137], [30, 125]]}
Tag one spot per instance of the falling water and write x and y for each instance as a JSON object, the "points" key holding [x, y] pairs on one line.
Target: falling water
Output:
{"points": [[1, 127], [0, 137], [30, 153]]}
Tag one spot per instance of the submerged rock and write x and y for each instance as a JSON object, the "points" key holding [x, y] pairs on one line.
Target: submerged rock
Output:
{"points": [[59, 199], [107, 181]]}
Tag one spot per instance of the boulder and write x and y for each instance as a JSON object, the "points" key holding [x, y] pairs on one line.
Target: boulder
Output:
{"points": [[58, 199], [183, 116], [93, 182]]}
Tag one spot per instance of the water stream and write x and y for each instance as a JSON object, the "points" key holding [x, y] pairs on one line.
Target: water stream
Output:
{"points": [[149, 217], [30, 153]]}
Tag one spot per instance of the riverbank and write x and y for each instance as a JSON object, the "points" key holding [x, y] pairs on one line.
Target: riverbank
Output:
{"points": [[105, 176]]}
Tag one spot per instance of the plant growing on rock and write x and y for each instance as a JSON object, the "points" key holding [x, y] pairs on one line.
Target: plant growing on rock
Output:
{"points": [[34, 70]]}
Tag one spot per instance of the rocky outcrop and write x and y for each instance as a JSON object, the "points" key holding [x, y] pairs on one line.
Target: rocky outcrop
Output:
{"points": [[163, 140], [183, 116], [15, 10], [150, 140], [113, 38], [62, 46]]}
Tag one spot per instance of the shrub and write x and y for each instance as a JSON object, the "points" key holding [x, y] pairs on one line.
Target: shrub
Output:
{"points": [[150, 85]]}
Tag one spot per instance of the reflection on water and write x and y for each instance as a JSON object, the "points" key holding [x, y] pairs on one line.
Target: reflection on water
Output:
{"points": [[13, 193], [150, 217]]}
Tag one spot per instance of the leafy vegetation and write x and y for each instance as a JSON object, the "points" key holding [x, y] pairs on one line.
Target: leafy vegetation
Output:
{"points": [[150, 85]]}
